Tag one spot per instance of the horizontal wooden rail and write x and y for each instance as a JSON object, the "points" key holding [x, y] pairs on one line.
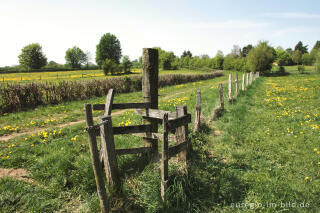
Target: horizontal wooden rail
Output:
{"points": [[174, 150], [155, 113], [158, 136], [180, 121], [133, 150], [131, 129], [123, 106], [126, 129]]}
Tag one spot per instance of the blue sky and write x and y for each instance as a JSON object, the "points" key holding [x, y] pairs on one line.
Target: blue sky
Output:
{"points": [[202, 26]]}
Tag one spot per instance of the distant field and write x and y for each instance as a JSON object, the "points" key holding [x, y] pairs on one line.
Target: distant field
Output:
{"points": [[74, 75]]}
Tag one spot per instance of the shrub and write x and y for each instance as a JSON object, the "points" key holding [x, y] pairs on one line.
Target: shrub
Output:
{"points": [[317, 62], [261, 57], [301, 68], [109, 66]]}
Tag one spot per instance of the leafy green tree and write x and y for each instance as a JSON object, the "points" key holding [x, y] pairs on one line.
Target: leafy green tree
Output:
{"points": [[296, 57], [109, 66], [108, 48], [32, 56], [166, 59], [186, 53], [306, 59], [218, 61], [301, 48], [245, 50], [261, 57], [126, 64], [75, 57], [317, 62], [283, 58], [315, 50]]}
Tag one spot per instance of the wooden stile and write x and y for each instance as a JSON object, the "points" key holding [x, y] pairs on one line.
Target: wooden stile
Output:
{"points": [[97, 167], [109, 154], [182, 134], [150, 75]]}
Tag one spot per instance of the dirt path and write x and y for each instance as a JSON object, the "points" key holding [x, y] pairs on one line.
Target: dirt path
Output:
{"points": [[14, 135], [8, 137], [20, 174]]}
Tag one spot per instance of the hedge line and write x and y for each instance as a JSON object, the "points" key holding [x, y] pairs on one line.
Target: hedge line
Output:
{"points": [[15, 97]]}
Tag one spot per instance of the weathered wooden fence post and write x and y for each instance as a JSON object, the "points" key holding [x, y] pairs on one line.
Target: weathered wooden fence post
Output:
{"points": [[109, 155], [97, 167], [221, 97], [250, 77], [198, 112], [182, 134], [237, 85], [247, 82], [150, 75], [243, 81], [230, 87], [164, 157]]}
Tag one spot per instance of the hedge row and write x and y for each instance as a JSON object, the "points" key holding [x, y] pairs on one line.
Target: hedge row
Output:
{"points": [[15, 97]]}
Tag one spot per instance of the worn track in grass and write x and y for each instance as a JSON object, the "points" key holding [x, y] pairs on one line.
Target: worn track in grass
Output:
{"points": [[14, 135]]}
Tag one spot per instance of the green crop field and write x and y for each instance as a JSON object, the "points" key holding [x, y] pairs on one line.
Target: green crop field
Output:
{"points": [[261, 155], [75, 75]]}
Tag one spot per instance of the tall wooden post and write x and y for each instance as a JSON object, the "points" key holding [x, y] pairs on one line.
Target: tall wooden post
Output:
{"points": [[97, 167], [164, 157], [250, 78], [198, 112], [109, 151], [237, 85], [230, 87], [182, 134], [247, 82], [221, 97], [150, 75], [243, 81]]}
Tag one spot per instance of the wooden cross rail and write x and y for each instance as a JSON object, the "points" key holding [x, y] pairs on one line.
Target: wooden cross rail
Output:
{"points": [[121, 130], [123, 106]]}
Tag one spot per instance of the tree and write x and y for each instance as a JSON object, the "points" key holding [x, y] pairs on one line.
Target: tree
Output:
{"points": [[306, 59], [32, 56], [88, 58], [317, 62], [246, 49], [283, 58], [126, 64], [315, 50], [186, 53], [296, 57], [108, 48], [301, 48], [75, 57], [236, 51], [109, 66], [261, 57]]}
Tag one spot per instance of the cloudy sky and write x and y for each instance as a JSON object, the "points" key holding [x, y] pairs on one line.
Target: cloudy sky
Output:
{"points": [[201, 26]]}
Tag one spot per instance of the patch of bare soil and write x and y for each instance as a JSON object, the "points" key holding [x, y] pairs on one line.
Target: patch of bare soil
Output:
{"points": [[19, 174]]}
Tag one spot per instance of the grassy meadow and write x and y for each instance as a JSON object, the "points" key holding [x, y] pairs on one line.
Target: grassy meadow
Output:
{"points": [[262, 155]]}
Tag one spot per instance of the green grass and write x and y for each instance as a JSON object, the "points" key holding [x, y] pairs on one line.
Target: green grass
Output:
{"points": [[255, 160]]}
